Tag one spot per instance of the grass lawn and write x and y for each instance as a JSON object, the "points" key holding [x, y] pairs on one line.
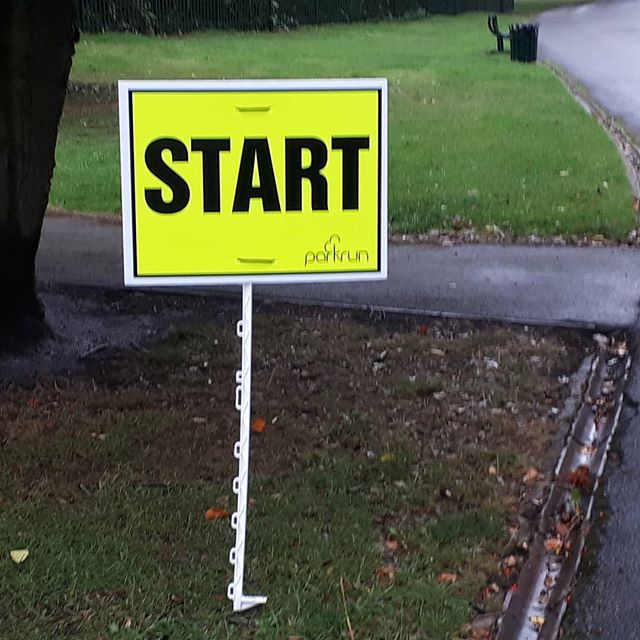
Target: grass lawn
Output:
{"points": [[372, 475], [474, 138]]}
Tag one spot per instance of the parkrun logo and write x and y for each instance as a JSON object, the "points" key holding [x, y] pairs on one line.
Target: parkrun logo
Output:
{"points": [[334, 254]]}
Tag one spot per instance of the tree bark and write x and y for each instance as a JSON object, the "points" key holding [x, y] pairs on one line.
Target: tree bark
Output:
{"points": [[37, 40]]}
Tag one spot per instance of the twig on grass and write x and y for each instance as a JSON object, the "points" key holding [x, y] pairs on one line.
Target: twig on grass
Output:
{"points": [[352, 635]]}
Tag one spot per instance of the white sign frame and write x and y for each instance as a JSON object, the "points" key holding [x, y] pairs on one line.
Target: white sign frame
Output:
{"points": [[125, 89]]}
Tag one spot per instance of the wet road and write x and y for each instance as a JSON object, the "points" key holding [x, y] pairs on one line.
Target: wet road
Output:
{"points": [[599, 44]]}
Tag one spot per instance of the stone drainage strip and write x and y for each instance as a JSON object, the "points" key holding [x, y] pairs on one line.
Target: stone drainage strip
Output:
{"points": [[533, 609]]}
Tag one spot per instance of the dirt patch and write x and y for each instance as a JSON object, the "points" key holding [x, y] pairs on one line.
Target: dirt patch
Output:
{"points": [[322, 380], [85, 322]]}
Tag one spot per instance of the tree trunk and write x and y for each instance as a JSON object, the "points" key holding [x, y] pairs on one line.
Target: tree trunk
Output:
{"points": [[36, 45]]}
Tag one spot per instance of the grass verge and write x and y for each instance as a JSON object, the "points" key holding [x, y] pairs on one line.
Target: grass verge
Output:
{"points": [[475, 140], [371, 475], [537, 6]]}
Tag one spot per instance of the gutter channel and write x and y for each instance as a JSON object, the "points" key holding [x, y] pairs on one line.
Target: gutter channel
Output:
{"points": [[534, 611]]}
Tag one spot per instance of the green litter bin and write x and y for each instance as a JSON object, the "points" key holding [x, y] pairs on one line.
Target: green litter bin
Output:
{"points": [[524, 42]]}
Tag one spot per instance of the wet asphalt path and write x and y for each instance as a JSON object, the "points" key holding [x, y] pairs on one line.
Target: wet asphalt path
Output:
{"points": [[548, 285], [599, 44]]}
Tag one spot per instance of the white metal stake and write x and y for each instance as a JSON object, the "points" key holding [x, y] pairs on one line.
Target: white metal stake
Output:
{"points": [[235, 591]]}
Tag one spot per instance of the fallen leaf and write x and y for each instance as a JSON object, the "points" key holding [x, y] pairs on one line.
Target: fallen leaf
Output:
{"points": [[601, 340], [387, 457], [423, 330], [391, 545], [492, 471], [530, 476], [216, 514], [258, 425], [510, 561], [575, 503], [580, 477], [507, 571], [386, 574], [447, 578], [491, 363], [19, 555], [489, 592], [621, 349], [562, 529], [553, 544]]}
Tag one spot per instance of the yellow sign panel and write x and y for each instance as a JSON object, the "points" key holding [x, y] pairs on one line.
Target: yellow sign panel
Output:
{"points": [[262, 181]]}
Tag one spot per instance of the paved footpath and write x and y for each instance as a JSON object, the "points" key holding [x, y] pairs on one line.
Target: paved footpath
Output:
{"points": [[549, 285]]}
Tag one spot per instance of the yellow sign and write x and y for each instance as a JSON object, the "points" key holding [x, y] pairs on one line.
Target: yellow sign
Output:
{"points": [[254, 181]]}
